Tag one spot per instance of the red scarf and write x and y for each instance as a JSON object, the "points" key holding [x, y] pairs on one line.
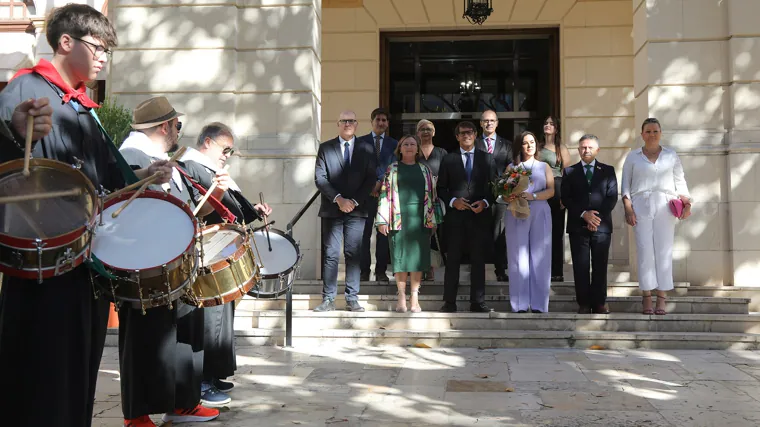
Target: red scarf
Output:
{"points": [[46, 69], [213, 201]]}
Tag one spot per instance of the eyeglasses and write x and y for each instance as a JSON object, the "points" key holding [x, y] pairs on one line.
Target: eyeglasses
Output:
{"points": [[99, 49], [425, 130], [467, 132], [489, 121], [228, 151], [347, 121], [179, 126]]}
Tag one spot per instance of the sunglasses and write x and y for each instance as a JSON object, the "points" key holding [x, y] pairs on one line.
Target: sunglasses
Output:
{"points": [[179, 126], [227, 151]]}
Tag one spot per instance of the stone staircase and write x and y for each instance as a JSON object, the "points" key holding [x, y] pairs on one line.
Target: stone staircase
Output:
{"points": [[699, 318]]}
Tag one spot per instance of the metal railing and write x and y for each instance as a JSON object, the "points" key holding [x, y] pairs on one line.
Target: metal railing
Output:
{"points": [[289, 293]]}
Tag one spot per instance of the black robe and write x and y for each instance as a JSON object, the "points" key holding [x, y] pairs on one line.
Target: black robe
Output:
{"points": [[219, 334], [160, 353], [52, 334]]}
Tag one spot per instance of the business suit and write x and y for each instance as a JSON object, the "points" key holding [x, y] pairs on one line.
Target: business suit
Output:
{"points": [[466, 230], [382, 251], [502, 154], [579, 196], [354, 180]]}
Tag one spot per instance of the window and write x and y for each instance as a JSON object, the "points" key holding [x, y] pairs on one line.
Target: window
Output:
{"points": [[14, 9]]}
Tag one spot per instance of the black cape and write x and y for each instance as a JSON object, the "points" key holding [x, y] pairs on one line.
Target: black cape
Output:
{"points": [[52, 334]]}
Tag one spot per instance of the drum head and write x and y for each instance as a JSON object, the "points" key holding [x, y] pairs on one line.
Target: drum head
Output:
{"points": [[283, 256], [45, 218], [221, 245], [150, 232]]}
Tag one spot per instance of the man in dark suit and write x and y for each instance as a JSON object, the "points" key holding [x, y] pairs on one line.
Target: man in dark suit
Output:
{"points": [[464, 185], [590, 192], [345, 174], [384, 147], [499, 148]]}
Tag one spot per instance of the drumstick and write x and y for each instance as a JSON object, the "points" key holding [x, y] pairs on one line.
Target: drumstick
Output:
{"points": [[266, 226], [137, 184], [178, 154], [134, 196], [28, 147], [41, 196], [207, 195]]}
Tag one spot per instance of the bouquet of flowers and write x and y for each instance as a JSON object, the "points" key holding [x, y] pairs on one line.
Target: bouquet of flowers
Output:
{"points": [[515, 180]]}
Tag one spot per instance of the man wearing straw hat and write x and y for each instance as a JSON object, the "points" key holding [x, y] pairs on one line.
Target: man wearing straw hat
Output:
{"points": [[163, 339]]}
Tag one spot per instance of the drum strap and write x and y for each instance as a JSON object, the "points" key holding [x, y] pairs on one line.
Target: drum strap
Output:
{"points": [[222, 210]]}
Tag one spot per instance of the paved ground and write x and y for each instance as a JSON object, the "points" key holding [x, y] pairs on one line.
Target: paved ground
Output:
{"points": [[463, 387]]}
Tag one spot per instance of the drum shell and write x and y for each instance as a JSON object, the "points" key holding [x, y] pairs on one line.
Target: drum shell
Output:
{"points": [[275, 284]]}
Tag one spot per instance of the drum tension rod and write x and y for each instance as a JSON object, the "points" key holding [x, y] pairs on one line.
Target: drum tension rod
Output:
{"points": [[165, 273]]}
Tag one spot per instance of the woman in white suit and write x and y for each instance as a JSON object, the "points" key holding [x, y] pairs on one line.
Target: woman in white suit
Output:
{"points": [[652, 177]]}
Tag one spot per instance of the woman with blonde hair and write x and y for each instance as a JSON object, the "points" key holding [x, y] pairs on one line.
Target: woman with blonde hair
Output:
{"points": [[408, 214], [431, 156]]}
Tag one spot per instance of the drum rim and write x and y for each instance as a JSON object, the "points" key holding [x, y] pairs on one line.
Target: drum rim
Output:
{"points": [[295, 245], [152, 194], [61, 239], [239, 252]]}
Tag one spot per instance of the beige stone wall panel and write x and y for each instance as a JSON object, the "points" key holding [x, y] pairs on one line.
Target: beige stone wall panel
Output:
{"points": [[351, 46], [383, 13], [611, 131], [526, 10], [683, 63], [742, 17], [411, 11], [745, 100], [347, 19], [357, 75], [745, 234], [555, 10], [599, 72], [746, 265], [684, 107], [278, 70], [278, 27], [705, 19], [601, 13], [362, 103], [744, 59], [598, 41], [440, 13], [599, 102], [281, 121], [744, 172], [708, 184]]}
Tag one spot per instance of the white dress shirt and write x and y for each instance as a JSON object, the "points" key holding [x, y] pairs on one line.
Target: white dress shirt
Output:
{"points": [[142, 142], [583, 168], [464, 163], [664, 175], [382, 138], [490, 146]]}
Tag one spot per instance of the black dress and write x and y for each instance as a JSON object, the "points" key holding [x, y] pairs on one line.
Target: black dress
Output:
{"points": [[161, 352], [433, 162], [52, 334]]}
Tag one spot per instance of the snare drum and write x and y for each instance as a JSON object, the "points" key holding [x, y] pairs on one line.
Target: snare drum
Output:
{"points": [[47, 237], [149, 247], [278, 268], [228, 267]]}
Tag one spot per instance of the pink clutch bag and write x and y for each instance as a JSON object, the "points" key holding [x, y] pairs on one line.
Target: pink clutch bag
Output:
{"points": [[676, 207]]}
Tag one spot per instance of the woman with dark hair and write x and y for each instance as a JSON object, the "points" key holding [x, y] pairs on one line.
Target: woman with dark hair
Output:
{"points": [[529, 239], [655, 197], [555, 154], [407, 212]]}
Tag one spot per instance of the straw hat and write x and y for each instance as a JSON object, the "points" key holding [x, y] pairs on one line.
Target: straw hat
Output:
{"points": [[153, 112]]}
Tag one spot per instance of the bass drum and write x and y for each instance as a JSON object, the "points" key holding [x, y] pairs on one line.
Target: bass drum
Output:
{"points": [[277, 267]]}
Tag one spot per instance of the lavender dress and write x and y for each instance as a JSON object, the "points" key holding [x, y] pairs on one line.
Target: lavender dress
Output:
{"points": [[529, 249]]}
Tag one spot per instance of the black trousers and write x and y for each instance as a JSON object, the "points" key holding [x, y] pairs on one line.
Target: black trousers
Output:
{"points": [[590, 250], [51, 342], [382, 248], [499, 238], [466, 237], [219, 341], [558, 230]]}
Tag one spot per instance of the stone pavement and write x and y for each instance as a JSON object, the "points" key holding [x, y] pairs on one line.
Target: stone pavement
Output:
{"points": [[409, 386]]}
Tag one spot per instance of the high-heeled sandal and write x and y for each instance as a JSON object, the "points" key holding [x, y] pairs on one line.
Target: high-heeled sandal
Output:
{"points": [[401, 303], [644, 299], [415, 308], [660, 311]]}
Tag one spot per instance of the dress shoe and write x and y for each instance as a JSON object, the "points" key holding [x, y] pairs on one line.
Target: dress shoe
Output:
{"points": [[522, 311], [327, 305], [382, 277], [502, 277], [448, 307], [601, 309], [535, 311], [558, 278], [354, 306], [364, 277], [480, 308], [584, 309]]}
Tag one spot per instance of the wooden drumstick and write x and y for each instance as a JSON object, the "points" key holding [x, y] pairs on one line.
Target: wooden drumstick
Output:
{"points": [[28, 147], [207, 195], [137, 184], [266, 226], [40, 196], [178, 154], [134, 196]]}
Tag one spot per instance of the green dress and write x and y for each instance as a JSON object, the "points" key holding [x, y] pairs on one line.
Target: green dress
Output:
{"points": [[410, 246]]}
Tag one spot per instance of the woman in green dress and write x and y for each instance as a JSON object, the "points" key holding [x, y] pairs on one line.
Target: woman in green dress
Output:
{"points": [[408, 214]]}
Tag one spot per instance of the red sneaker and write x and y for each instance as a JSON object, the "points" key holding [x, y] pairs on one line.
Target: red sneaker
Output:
{"points": [[143, 421], [197, 414]]}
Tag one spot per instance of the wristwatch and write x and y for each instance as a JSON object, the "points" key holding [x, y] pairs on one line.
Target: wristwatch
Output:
{"points": [[535, 197]]}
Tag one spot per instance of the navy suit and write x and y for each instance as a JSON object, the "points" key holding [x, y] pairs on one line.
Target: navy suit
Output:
{"points": [[502, 156], [579, 196], [352, 181], [382, 250]]}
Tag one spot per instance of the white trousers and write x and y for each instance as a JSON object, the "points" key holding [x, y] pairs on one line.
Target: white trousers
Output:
{"points": [[654, 230]]}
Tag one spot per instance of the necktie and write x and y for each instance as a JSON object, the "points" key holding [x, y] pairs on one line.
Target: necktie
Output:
{"points": [[378, 138], [589, 174], [468, 166], [490, 145], [346, 155]]}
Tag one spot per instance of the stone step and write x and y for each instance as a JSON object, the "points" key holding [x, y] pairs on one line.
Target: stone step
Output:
{"points": [[307, 321], [500, 303], [490, 338], [626, 288]]}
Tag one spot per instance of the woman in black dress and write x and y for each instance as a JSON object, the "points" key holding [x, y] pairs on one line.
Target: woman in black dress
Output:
{"points": [[431, 157]]}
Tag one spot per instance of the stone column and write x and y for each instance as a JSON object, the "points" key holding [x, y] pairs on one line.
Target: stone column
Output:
{"points": [[252, 64], [681, 77]]}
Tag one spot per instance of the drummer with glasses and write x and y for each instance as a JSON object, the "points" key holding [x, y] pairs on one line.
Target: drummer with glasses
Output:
{"points": [[205, 163]]}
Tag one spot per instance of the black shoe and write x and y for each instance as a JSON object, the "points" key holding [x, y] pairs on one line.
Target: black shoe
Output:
{"points": [[364, 277], [584, 309], [382, 277], [327, 305], [223, 386], [522, 311], [448, 307], [558, 278], [354, 306], [601, 309], [502, 277], [535, 311], [480, 308]]}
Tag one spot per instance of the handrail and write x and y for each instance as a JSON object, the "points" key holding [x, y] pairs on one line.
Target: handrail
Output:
{"points": [[299, 214]]}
